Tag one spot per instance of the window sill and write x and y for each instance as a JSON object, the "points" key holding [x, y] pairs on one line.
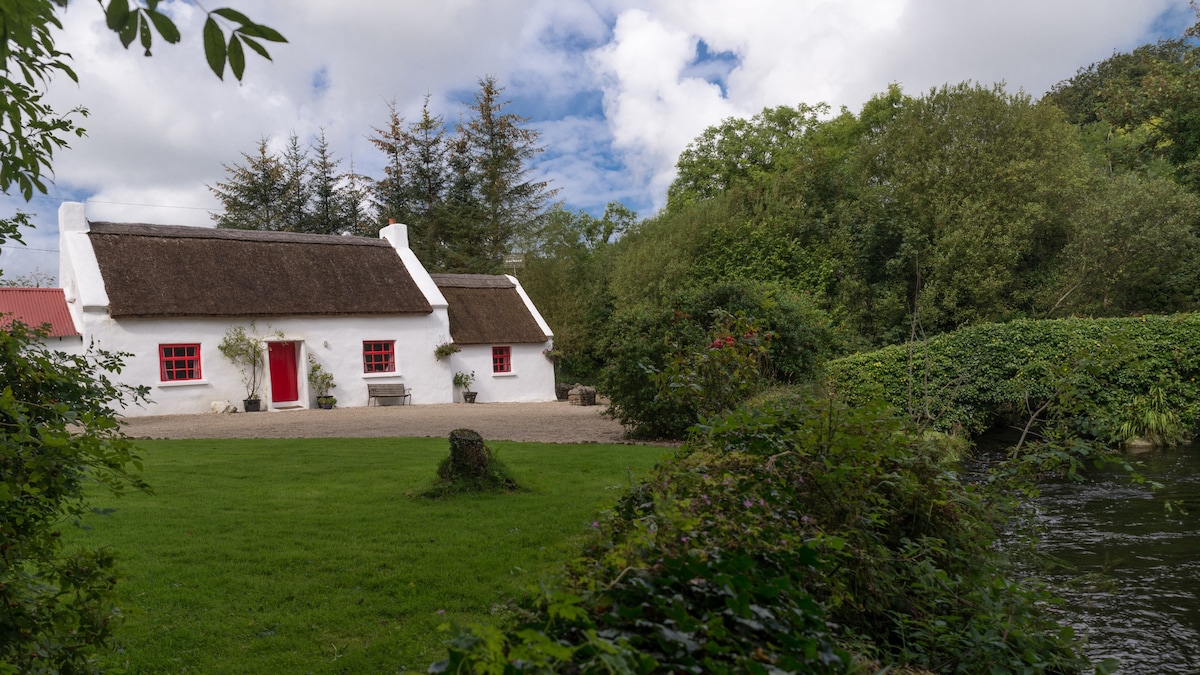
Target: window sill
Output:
{"points": [[508, 374], [183, 383], [375, 376]]}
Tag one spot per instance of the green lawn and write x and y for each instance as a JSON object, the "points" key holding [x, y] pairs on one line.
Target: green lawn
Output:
{"points": [[310, 556]]}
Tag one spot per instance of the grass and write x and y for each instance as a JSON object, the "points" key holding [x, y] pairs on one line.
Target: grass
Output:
{"points": [[312, 556]]}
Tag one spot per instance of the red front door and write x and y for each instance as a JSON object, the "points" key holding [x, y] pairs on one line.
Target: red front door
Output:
{"points": [[282, 358]]}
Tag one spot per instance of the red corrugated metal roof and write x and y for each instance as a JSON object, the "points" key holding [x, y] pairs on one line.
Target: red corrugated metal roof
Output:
{"points": [[35, 307]]}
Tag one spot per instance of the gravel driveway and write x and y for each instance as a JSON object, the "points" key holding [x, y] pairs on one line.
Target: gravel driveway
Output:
{"points": [[557, 422]]}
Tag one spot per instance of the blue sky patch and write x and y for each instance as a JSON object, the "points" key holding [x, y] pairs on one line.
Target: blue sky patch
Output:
{"points": [[712, 67]]}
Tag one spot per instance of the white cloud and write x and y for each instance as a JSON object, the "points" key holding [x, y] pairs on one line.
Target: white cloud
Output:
{"points": [[161, 128]]}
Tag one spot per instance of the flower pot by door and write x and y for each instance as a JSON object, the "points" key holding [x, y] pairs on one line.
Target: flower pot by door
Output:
{"points": [[469, 396], [252, 404]]}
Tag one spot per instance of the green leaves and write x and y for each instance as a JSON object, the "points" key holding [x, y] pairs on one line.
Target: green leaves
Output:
{"points": [[30, 130], [245, 33], [214, 47], [141, 22], [57, 432], [136, 23]]}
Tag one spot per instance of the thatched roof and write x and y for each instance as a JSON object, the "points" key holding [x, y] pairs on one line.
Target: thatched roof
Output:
{"points": [[173, 271], [486, 309]]}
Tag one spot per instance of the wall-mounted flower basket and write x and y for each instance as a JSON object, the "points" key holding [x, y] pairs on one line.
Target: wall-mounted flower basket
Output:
{"points": [[445, 349]]}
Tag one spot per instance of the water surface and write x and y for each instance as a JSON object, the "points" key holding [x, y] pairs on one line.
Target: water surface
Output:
{"points": [[1131, 575]]}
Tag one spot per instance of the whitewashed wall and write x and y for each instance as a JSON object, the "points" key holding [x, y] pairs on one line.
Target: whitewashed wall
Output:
{"points": [[531, 379], [67, 344], [336, 343]]}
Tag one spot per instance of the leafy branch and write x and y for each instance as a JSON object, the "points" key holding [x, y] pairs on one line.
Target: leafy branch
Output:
{"points": [[138, 21]]}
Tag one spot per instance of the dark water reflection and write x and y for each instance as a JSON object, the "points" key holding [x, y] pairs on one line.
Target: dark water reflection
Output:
{"points": [[1131, 574]]}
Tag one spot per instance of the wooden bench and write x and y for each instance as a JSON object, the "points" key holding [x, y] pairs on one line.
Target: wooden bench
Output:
{"points": [[378, 391]]}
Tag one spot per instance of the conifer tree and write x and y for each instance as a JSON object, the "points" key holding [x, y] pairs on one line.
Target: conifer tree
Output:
{"points": [[425, 151], [296, 208], [357, 210], [328, 190], [500, 149], [389, 193], [253, 196]]}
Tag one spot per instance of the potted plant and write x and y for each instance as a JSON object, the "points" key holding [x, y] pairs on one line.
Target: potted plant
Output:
{"points": [[245, 350], [463, 381], [321, 381]]}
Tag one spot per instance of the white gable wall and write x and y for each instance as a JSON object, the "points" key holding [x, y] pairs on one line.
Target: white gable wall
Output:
{"points": [[531, 379]]}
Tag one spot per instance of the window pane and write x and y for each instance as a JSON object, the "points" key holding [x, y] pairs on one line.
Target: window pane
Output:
{"points": [[378, 357], [179, 362], [501, 360]]}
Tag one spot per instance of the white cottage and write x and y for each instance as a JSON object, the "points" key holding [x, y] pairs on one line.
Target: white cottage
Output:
{"points": [[365, 309]]}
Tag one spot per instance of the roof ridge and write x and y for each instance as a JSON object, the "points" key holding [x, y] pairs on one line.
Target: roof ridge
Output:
{"points": [[193, 232]]}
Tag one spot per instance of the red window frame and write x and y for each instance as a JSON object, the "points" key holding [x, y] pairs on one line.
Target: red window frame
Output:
{"points": [[379, 356], [501, 359], [179, 362]]}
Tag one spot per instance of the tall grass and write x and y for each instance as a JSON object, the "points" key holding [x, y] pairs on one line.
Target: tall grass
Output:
{"points": [[312, 556]]}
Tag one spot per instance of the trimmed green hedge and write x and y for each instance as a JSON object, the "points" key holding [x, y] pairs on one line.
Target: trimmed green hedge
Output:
{"points": [[975, 377]]}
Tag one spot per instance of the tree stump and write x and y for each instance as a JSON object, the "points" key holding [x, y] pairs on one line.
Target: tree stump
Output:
{"points": [[469, 455]]}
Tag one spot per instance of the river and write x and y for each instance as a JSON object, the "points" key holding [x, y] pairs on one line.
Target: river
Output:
{"points": [[1131, 579]]}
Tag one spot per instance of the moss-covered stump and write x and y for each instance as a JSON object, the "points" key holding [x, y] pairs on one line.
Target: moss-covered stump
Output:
{"points": [[471, 467], [469, 456]]}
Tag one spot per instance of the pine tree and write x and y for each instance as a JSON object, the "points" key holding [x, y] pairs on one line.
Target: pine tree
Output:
{"points": [[390, 193], [501, 149], [357, 209], [328, 190], [297, 197], [254, 195], [426, 182]]}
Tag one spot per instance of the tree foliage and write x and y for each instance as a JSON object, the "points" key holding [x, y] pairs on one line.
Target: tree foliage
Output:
{"points": [[292, 191], [964, 199], [58, 434], [466, 197], [1143, 105], [30, 130], [568, 267], [647, 347]]}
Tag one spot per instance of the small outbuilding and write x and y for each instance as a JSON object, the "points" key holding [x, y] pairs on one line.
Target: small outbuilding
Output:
{"points": [[44, 308]]}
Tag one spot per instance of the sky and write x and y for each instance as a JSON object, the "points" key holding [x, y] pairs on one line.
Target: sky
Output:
{"points": [[616, 88]]}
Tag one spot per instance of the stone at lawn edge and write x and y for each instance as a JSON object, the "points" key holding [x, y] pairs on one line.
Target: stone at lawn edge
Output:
{"points": [[223, 407]]}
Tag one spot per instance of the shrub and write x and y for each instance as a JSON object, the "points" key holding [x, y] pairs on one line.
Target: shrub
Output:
{"points": [[788, 538], [642, 342], [1117, 377], [58, 433], [319, 379]]}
